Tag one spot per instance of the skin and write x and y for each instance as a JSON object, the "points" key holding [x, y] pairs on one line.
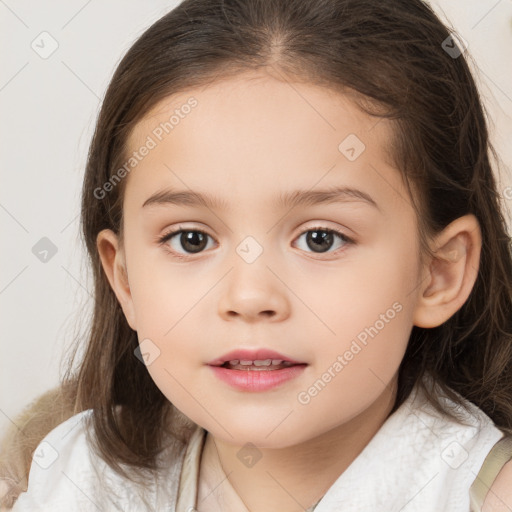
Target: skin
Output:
{"points": [[249, 139]]}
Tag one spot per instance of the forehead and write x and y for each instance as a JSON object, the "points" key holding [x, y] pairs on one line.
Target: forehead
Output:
{"points": [[260, 103], [255, 133]]}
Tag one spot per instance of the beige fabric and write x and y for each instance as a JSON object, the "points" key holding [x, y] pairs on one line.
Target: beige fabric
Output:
{"points": [[187, 490], [499, 455], [189, 478]]}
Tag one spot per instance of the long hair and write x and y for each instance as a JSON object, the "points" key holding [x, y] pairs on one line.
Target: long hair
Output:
{"points": [[398, 61]]}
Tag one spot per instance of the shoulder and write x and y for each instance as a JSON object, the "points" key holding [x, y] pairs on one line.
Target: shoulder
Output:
{"points": [[61, 469], [66, 474], [499, 497]]}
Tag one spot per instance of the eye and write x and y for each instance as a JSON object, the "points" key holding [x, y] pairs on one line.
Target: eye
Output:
{"points": [[321, 239], [194, 241], [191, 240]]}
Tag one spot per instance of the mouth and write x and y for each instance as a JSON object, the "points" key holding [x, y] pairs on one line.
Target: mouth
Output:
{"points": [[256, 375], [259, 365], [255, 360]]}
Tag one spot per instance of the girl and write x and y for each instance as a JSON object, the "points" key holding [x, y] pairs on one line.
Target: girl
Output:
{"points": [[302, 275]]}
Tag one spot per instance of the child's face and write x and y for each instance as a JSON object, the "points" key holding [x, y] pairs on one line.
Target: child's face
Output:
{"points": [[346, 312]]}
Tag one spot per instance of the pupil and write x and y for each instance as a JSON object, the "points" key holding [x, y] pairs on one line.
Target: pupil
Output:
{"points": [[193, 241], [322, 241], [318, 240]]}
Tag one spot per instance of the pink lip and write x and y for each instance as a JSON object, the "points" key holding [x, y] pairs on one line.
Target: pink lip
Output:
{"points": [[251, 355], [257, 380]]}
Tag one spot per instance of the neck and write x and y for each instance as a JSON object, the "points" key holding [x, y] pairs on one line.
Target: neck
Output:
{"points": [[290, 479]]}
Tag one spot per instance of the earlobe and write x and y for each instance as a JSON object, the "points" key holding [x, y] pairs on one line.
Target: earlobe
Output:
{"points": [[114, 265], [451, 274]]}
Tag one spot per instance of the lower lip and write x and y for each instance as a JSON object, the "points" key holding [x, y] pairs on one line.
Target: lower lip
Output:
{"points": [[257, 380]]}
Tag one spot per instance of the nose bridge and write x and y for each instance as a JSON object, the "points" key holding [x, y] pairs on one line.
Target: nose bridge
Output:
{"points": [[252, 289]]}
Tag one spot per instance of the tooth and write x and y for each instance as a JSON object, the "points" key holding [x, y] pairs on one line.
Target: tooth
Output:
{"points": [[264, 362], [259, 362]]}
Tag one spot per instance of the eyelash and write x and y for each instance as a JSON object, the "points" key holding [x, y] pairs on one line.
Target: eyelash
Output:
{"points": [[167, 236]]}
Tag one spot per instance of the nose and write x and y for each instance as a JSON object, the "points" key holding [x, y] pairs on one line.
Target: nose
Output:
{"points": [[253, 293]]}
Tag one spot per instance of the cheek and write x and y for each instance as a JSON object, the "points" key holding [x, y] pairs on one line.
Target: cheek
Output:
{"points": [[372, 281], [169, 306], [355, 366], [162, 291], [366, 311]]}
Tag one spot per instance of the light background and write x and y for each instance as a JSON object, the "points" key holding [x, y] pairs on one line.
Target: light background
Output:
{"points": [[48, 107]]}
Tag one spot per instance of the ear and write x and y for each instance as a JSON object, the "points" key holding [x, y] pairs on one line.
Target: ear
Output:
{"points": [[449, 277], [114, 264]]}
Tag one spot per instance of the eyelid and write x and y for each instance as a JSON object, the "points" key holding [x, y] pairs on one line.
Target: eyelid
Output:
{"points": [[326, 226], [328, 255], [162, 240], [318, 226], [171, 232]]}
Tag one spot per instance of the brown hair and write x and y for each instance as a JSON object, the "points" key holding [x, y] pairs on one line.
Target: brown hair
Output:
{"points": [[392, 55]]}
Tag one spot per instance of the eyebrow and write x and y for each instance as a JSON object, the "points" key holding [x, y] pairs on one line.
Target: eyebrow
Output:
{"points": [[284, 200]]}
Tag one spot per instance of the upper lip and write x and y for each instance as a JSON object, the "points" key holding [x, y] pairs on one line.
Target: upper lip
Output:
{"points": [[251, 355]]}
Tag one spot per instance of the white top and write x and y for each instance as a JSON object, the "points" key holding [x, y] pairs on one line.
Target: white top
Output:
{"points": [[418, 461]]}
